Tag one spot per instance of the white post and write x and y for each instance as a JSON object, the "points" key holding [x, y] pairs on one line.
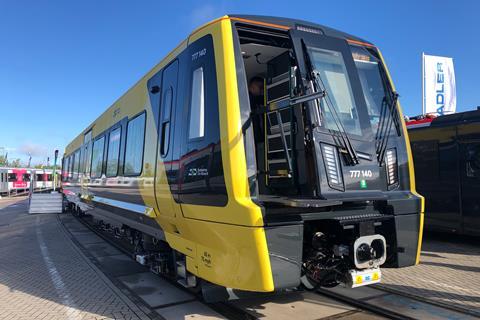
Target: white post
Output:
{"points": [[423, 83]]}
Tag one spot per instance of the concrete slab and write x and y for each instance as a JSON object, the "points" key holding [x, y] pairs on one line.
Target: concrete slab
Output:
{"points": [[73, 225], [189, 310], [448, 273], [290, 306], [414, 309], [154, 290], [358, 293], [120, 265], [88, 238], [80, 232], [101, 250], [361, 315]]}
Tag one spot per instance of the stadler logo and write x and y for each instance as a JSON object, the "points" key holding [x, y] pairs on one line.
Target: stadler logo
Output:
{"points": [[439, 85], [440, 89]]}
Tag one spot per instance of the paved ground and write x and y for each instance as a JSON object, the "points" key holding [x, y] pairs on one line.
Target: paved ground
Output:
{"points": [[43, 276], [52, 267], [449, 272]]}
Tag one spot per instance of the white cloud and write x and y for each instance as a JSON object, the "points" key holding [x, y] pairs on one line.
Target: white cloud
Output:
{"points": [[35, 150]]}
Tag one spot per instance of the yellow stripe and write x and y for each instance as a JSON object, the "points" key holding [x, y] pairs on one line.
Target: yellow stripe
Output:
{"points": [[411, 169]]}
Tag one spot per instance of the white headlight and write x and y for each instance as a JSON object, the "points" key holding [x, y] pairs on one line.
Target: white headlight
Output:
{"points": [[332, 165], [391, 166]]}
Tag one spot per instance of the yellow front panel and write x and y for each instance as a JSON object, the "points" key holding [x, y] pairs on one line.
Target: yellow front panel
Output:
{"points": [[229, 255]]}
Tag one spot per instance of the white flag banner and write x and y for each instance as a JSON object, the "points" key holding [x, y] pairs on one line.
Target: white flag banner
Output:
{"points": [[439, 84]]}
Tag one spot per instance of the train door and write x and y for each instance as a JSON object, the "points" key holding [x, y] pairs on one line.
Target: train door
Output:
{"points": [[163, 96], [200, 178], [470, 185]]}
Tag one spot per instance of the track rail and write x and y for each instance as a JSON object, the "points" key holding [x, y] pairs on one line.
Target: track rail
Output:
{"points": [[364, 305]]}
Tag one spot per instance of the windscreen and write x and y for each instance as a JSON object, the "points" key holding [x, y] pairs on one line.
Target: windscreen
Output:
{"points": [[373, 86], [334, 78]]}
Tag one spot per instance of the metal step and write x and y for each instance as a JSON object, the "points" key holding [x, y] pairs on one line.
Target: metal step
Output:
{"points": [[46, 203]]}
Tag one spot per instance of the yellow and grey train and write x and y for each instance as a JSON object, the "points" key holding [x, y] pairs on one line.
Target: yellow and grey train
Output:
{"points": [[260, 155]]}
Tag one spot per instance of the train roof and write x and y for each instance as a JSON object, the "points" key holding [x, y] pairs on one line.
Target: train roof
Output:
{"points": [[293, 23], [283, 23], [447, 120]]}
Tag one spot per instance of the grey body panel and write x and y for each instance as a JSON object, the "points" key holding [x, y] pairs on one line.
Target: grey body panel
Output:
{"points": [[285, 251]]}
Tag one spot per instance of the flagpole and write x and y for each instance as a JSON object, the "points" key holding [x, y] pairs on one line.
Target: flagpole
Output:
{"points": [[423, 83]]}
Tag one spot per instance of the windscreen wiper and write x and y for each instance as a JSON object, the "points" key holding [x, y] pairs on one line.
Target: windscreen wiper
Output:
{"points": [[319, 88], [388, 117], [346, 144]]}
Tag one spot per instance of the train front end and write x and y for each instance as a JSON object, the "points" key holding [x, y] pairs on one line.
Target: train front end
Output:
{"points": [[333, 168]]}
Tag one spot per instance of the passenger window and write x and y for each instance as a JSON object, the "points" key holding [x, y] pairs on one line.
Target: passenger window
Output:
{"points": [[472, 160], [68, 169], [72, 164], [134, 146], [197, 106], [87, 151], [113, 152], [97, 158], [78, 156]]}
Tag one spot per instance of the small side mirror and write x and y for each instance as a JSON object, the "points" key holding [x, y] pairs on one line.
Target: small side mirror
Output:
{"points": [[155, 89]]}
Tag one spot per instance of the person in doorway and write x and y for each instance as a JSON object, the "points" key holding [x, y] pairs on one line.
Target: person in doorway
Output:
{"points": [[256, 95], [257, 103]]}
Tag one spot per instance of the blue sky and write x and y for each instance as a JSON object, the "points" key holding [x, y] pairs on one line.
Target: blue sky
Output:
{"points": [[62, 63]]}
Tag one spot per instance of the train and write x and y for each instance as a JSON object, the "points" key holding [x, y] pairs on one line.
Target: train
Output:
{"points": [[262, 154], [14, 180], [446, 154], [45, 180]]}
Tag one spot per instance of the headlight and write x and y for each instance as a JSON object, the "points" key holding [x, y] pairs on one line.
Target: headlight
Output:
{"points": [[332, 166], [391, 166]]}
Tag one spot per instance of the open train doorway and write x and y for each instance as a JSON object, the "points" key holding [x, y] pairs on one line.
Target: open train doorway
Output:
{"points": [[271, 72]]}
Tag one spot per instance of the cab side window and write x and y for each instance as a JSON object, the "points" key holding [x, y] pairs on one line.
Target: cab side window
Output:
{"points": [[197, 106]]}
